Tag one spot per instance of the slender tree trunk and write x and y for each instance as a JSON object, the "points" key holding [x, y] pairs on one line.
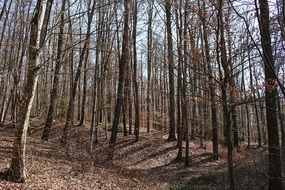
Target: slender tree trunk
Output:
{"points": [[149, 60], [178, 16], [53, 94], [136, 91], [84, 95], [212, 86], [282, 129], [124, 60], [93, 131], [232, 84], [184, 100], [224, 89], [171, 110], [246, 109], [261, 108], [254, 97], [17, 169], [124, 115]]}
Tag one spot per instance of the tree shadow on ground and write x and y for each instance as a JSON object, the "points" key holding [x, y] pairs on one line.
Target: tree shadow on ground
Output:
{"points": [[219, 180], [156, 154], [152, 160], [249, 176]]}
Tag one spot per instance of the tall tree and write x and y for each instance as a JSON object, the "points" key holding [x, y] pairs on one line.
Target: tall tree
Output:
{"points": [[271, 93], [212, 85], [149, 62], [70, 110], [184, 102], [124, 59], [54, 91], [136, 90], [224, 91], [171, 137], [180, 130], [38, 25]]}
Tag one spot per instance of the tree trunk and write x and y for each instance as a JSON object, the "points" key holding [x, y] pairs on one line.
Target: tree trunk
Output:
{"points": [[53, 95], [254, 97], [282, 128], [225, 104], [149, 60], [178, 15], [275, 174], [136, 91], [18, 170], [212, 87], [84, 95], [184, 101], [124, 60], [171, 110]]}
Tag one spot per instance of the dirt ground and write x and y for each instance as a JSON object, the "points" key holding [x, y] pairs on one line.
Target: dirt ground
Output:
{"points": [[148, 164]]}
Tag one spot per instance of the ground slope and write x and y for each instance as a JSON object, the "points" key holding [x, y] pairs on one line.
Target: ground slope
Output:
{"points": [[148, 164]]}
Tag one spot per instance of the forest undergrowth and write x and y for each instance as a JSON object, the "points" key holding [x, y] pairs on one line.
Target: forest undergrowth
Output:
{"points": [[148, 164]]}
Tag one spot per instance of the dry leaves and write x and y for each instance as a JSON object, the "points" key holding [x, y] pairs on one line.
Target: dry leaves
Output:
{"points": [[148, 164]]}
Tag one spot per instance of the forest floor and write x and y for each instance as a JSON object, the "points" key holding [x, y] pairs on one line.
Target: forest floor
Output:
{"points": [[148, 164]]}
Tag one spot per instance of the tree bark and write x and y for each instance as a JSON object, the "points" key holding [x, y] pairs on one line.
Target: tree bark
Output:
{"points": [[122, 63], [184, 101], [54, 91], [136, 91], [149, 61], [275, 172], [212, 86], [178, 15], [225, 104], [171, 110], [17, 170]]}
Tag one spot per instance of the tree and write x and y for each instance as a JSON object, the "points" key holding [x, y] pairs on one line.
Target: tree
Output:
{"points": [[122, 63], [136, 91], [149, 63], [70, 110], [274, 172], [184, 105], [180, 127], [224, 90], [212, 85], [171, 110], [17, 169], [54, 91]]}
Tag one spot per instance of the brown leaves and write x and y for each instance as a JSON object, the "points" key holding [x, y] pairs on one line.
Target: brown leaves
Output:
{"points": [[148, 164]]}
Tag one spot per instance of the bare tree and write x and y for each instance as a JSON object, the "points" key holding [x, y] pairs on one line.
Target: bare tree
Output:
{"points": [[70, 111], [17, 169], [224, 91], [122, 63], [136, 91], [54, 91], [274, 172], [171, 137]]}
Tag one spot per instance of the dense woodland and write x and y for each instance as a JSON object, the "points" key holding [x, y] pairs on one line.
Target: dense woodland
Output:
{"points": [[201, 78]]}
